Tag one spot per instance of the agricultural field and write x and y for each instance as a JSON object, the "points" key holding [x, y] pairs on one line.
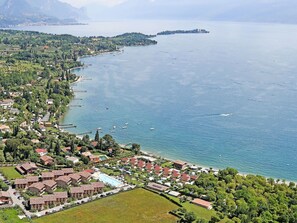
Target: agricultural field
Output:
{"points": [[128, 207], [10, 215]]}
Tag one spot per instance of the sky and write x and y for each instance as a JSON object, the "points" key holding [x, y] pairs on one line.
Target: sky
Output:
{"points": [[81, 3]]}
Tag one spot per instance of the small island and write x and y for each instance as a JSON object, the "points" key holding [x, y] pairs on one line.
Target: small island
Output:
{"points": [[193, 31]]}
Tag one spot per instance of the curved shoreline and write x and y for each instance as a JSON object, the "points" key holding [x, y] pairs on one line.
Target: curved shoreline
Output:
{"points": [[196, 163]]}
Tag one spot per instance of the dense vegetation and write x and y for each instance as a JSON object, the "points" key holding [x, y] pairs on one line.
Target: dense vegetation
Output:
{"points": [[246, 198], [193, 31]]}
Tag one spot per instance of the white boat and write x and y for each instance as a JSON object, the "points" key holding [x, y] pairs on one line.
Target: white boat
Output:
{"points": [[152, 129]]}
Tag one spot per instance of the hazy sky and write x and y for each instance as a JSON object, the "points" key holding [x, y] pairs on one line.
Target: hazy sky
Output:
{"points": [[80, 3]]}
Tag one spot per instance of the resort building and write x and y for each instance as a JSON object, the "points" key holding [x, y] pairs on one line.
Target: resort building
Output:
{"points": [[185, 177], [49, 200], [157, 187], [85, 176], [47, 160], [94, 158], [149, 167], [133, 161], [68, 171], [157, 169], [20, 183], [32, 179], [175, 174], [58, 173], [141, 164], [63, 181], [26, 168], [76, 192], [37, 188], [88, 189], [37, 203], [167, 171], [75, 178], [202, 203], [98, 187], [180, 165], [4, 198], [50, 185], [47, 176], [61, 197]]}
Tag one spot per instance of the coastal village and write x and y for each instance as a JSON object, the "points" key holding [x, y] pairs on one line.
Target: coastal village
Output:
{"points": [[47, 171]]}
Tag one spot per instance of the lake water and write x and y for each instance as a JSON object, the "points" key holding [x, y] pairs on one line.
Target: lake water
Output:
{"points": [[227, 98]]}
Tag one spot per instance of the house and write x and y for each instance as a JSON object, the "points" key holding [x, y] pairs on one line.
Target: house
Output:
{"points": [[58, 173], [180, 165], [157, 169], [6, 103], [47, 160], [75, 178], [41, 152], [86, 154], [98, 187], [185, 177], [175, 174], [85, 176], [37, 203], [88, 189], [35, 141], [63, 181], [76, 192], [32, 179], [49, 200], [124, 160], [4, 128], [174, 193], [149, 167], [20, 183], [37, 188], [166, 172], [141, 164], [157, 187], [202, 203], [133, 161], [73, 159], [61, 197], [68, 171], [47, 176], [66, 149], [4, 198], [50, 185], [26, 168], [14, 111], [94, 158]]}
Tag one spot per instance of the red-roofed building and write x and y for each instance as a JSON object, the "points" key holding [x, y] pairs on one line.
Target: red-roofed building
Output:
{"points": [[37, 188], [166, 171], [194, 177], [202, 203], [47, 176], [4, 197], [41, 152], [175, 174], [149, 167], [76, 192], [75, 178], [85, 176], [157, 169], [47, 160], [180, 165], [125, 160], [26, 168], [89, 171], [185, 177], [32, 179], [20, 183], [133, 161], [98, 187], [63, 181], [141, 164]]}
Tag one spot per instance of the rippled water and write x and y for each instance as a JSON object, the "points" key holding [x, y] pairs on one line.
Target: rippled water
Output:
{"points": [[223, 99]]}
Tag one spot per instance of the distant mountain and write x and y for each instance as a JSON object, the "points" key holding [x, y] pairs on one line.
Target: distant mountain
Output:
{"points": [[16, 12], [280, 11]]}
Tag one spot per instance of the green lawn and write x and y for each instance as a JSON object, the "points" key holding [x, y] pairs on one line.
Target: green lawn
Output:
{"points": [[134, 206], [199, 211], [10, 215], [10, 173]]}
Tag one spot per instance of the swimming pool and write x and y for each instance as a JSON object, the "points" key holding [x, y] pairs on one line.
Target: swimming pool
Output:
{"points": [[108, 179], [102, 158]]}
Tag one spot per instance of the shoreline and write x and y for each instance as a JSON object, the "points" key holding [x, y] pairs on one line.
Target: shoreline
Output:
{"points": [[152, 154]]}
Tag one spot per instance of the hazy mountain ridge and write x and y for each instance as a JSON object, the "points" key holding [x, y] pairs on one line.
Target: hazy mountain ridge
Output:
{"points": [[280, 11], [16, 12]]}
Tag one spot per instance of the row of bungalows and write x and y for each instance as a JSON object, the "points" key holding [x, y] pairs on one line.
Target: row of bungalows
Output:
{"points": [[86, 190], [73, 179], [40, 203], [26, 168], [166, 172]]}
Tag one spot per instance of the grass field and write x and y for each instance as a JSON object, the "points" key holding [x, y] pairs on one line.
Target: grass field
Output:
{"points": [[129, 207], [10, 173], [10, 215]]}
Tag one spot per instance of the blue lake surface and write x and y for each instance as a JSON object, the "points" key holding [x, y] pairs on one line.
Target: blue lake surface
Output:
{"points": [[227, 98]]}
